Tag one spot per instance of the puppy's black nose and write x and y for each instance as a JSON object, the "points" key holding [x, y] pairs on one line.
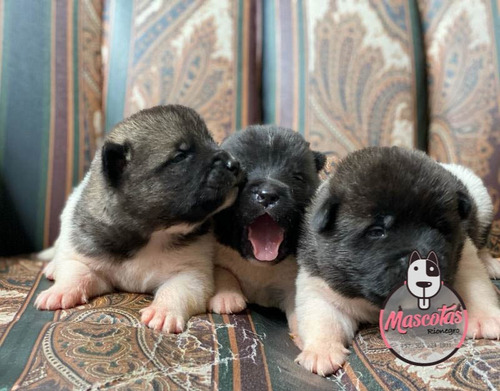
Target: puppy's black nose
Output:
{"points": [[266, 195], [424, 284]]}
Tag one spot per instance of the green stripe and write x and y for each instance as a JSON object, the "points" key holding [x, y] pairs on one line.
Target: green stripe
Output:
{"points": [[269, 62], [496, 27], [3, 86], [419, 65], [20, 341], [301, 33], [225, 380], [25, 117], [76, 96], [280, 352], [121, 23], [239, 65], [363, 372]]}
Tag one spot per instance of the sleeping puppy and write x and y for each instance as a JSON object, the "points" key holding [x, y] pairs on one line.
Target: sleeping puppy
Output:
{"points": [[379, 205], [257, 236], [138, 222]]}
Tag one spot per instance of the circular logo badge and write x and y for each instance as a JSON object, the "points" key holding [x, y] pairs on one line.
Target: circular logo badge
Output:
{"points": [[423, 321]]}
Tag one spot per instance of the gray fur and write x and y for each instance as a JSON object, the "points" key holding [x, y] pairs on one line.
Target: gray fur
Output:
{"points": [[158, 168]]}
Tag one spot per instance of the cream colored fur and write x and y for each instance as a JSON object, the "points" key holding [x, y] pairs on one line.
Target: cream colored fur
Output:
{"points": [[238, 281], [181, 277], [327, 323]]}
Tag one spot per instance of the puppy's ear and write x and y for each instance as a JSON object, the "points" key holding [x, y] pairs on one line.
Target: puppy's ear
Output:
{"points": [[324, 217], [319, 160], [114, 161], [432, 257], [464, 205], [415, 256]]}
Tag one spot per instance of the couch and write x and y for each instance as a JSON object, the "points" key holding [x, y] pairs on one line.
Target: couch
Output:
{"points": [[344, 73]]}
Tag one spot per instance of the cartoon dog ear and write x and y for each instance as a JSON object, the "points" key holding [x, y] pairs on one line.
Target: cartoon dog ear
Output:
{"points": [[432, 257], [464, 205], [324, 217], [319, 160], [415, 256], [115, 158]]}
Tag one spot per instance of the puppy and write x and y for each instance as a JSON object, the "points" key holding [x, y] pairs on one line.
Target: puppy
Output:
{"points": [[379, 205], [257, 236], [138, 222]]}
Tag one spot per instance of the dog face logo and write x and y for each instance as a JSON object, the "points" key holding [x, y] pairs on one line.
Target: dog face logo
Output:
{"points": [[424, 278]]}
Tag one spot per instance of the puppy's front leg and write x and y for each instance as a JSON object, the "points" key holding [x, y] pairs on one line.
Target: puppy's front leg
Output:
{"points": [[323, 328], [477, 291], [228, 297], [75, 284], [291, 317], [183, 295]]}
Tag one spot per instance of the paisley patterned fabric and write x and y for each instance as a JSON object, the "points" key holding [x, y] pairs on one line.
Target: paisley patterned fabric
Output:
{"points": [[463, 51], [103, 345], [344, 73], [192, 52]]}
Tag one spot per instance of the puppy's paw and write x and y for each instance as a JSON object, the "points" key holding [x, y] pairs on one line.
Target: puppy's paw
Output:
{"points": [[227, 303], [57, 297], [161, 319], [49, 270], [484, 325], [323, 361]]}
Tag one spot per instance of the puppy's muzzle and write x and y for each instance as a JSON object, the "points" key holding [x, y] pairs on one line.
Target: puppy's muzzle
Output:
{"points": [[223, 159]]}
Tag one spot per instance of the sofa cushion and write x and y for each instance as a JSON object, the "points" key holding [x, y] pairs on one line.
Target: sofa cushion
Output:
{"points": [[200, 53], [50, 113], [345, 74], [462, 42]]}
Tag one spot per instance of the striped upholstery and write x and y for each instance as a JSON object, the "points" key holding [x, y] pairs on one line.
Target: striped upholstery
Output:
{"points": [[345, 74], [463, 56], [50, 102], [200, 53]]}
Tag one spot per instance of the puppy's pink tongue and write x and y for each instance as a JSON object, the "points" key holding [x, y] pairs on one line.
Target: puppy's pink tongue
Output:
{"points": [[266, 236]]}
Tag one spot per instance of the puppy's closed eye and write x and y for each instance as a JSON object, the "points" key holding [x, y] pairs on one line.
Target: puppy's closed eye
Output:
{"points": [[376, 232]]}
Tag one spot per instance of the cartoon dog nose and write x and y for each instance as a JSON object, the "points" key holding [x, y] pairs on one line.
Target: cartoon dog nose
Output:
{"points": [[423, 284]]}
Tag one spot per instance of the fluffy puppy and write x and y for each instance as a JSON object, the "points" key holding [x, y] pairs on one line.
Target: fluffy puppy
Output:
{"points": [[257, 236], [379, 205], [138, 222]]}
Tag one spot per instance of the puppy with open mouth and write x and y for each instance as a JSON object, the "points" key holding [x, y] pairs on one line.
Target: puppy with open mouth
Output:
{"points": [[378, 206], [257, 236], [139, 221]]}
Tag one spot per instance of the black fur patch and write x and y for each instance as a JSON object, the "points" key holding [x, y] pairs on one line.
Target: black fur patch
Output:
{"points": [[271, 158]]}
